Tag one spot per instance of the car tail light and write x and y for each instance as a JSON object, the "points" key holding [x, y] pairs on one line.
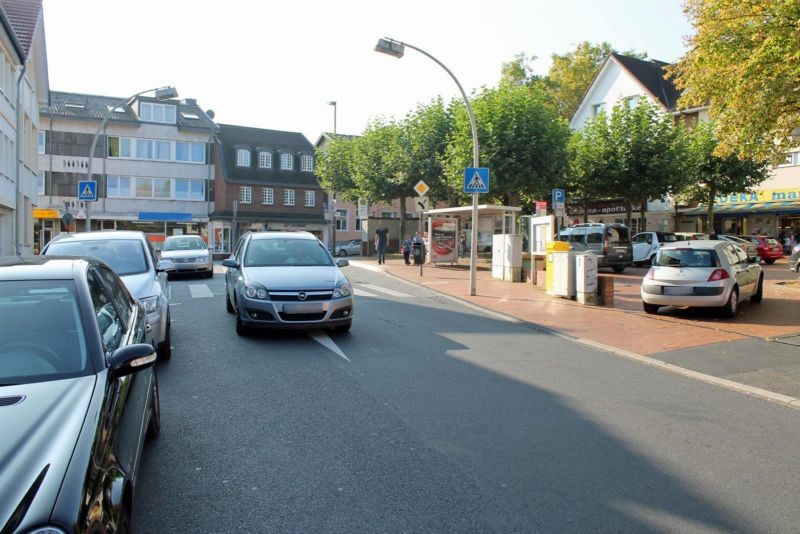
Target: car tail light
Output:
{"points": [[718, 274], [651, 274], [605, 246]]}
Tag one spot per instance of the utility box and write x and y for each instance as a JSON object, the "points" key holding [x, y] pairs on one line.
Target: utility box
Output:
{"points": [[551, 248], [564, 274], [507, 257], [586, 278]]}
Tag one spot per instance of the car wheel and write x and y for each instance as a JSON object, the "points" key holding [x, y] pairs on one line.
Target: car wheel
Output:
{"points": [[759, 294], [228, 305], [730, 309], [769, 262], [345, 327], [165, 347], [342, 253], [618, 268], [154, 426], [653, 259], [650, 308], [124, 521], [210, 274]]}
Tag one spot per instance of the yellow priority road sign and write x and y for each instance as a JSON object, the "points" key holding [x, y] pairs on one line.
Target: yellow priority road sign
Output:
{"points": [[421, 188]]}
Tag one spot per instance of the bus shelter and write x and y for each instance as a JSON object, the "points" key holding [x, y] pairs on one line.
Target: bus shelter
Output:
{"points": [[449, 230]]}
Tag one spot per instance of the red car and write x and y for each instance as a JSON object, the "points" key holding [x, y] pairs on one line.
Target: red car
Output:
{"points": [[768, 248]]}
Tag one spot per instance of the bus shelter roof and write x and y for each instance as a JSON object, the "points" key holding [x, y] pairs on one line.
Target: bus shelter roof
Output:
{"points": [[483, 209]]}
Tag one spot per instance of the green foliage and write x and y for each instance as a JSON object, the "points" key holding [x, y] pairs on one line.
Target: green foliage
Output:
{"points": [[334, 167], [709, 175], [743, 59], [426, 131]]}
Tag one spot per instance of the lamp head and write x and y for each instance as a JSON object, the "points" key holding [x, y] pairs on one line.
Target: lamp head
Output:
{"points": [[165, 93], [332, 103], [390, 47]]}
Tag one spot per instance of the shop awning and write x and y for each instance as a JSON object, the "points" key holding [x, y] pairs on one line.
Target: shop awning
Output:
{"points": [[754, 208]]}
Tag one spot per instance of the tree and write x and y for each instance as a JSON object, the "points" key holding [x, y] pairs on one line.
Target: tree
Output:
{"points": [[710, 175], [743, 60], [519, 71], [522, 140], [593, 164], [334, 167], [427, 130]]}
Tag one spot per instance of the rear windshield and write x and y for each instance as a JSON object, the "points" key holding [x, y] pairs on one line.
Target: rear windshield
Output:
{"points": [[686, 257], [124, 256], [771, 241], [618, 234], [667, 238]]}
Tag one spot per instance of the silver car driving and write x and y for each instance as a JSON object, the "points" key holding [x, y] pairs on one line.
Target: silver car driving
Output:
{"points": [[189, 253], [282, 280], [704, 274]]}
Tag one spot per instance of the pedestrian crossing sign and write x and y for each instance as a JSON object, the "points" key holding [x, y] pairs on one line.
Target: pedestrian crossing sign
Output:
{"points": [[87, 190], [476, 180]]}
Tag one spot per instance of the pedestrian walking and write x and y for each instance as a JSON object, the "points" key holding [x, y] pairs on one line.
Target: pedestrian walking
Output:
{"points": [[381, 240], [406, 248]]}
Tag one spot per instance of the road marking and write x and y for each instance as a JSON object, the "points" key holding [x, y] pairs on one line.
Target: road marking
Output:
{"points": [[368, 266], [390, 292], [361, 293], [324, 339], [200, 291]]}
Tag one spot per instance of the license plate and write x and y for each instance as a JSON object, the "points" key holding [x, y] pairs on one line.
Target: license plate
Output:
{"points": [[678, 290], [303, 307]]}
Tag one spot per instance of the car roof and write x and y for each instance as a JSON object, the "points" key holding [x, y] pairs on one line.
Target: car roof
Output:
{"points": [[41, 267], [696, 243], [101, 235], [283, 235], [182, 236]]}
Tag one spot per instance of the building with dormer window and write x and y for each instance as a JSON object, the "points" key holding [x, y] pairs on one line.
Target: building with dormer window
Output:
{"points": [[266, 181]]}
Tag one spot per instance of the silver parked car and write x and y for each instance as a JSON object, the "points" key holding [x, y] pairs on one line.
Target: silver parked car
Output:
{"points": [[132, 257], [348, 248], [286, 280], [189, 253], [704, 274], [794, 260]]}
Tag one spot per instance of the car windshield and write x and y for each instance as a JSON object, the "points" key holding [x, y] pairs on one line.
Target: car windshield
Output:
{"points": [[686, 257], [668, 238], [42, 336], [280, 251], [124, 256], [184, 243]]}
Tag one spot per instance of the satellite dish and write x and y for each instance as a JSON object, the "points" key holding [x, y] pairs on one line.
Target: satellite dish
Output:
{"points": [[210, 114]]}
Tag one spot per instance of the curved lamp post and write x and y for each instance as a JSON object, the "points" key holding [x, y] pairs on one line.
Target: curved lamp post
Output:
{"points": [[162, 93], [396, 48]]}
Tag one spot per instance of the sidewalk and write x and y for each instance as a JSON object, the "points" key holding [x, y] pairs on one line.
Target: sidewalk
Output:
{"points": [[625, 328]]}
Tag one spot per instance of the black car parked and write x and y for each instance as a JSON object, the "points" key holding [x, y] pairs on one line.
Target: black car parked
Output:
{"points": [[78, 396], [611, 243]]}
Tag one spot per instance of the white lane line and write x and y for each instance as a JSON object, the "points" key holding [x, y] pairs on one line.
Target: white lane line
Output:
{"points": [[361, 293], [366, 266], [380, 289], [199, 291], [323, 339]]}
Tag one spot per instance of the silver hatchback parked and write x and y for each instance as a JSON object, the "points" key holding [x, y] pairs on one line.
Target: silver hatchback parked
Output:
{"points": [[283, 280], [189, 253], [702, 273]]}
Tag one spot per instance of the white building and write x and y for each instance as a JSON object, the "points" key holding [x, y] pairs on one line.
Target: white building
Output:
{"points": [[23, 88]]}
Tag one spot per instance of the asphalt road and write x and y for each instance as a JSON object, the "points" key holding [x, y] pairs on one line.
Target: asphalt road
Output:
{"points": [[432, 416]]}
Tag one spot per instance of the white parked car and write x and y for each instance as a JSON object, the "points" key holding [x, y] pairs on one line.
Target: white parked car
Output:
{"points": [[189, 253], [703, 274], [646, 245]]}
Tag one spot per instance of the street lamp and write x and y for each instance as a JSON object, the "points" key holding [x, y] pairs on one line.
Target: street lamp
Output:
{"points": [[396, 49], [161, 93]]}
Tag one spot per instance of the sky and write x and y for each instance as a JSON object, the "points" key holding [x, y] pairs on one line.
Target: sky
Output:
{"points": [[277, 65]]}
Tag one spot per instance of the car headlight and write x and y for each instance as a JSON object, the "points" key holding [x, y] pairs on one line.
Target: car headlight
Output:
{"points": [[256, 291], [150, 303], [796, 248], [342, 289]]}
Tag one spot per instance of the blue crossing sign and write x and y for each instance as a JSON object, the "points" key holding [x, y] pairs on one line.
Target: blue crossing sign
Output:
{"points": [[87, 190], [476, 180]]}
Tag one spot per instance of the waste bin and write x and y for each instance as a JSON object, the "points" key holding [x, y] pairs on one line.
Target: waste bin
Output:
{"points": [[418, 252]]}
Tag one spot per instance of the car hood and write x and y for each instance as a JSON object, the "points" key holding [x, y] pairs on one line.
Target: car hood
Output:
{"points": [[141, 285], [193, 253], [40, 432], [290, 277]]}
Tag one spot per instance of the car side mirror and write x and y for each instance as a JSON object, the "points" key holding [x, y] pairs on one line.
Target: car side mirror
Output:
{"points": [[131, 359], [231, 263], [165, 266], [342, 262]]}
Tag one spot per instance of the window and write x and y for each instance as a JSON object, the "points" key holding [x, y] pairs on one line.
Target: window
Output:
{"points": [[287, 162], [193, 116], [288, 197], [358, 224], [144, 187], [341, 220], [242, 157], [792, 158], [388, 215], [152, 112], [265, 160], [306, 163], [161, 187], [189, 189], [268, 196], [309, 199], [40, 184], [42, 136], [118, 186], [162, 150], [198, 152], [144, 149], [245, 194], [598, 108]]}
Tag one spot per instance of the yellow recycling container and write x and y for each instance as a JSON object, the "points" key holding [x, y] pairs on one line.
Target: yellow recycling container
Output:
{"points": [[550, 248]]}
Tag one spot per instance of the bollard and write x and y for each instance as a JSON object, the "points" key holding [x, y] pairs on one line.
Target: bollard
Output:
{"points": [[605, 290]]}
